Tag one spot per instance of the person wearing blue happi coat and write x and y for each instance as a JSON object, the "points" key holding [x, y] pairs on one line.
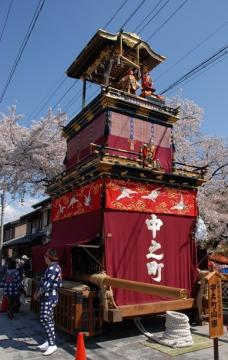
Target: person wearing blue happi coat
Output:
{"points": [[47, 292], [12, 287]]}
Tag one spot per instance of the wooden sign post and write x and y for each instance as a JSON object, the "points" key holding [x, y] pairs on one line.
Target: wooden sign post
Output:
{"points": [[215, 309]]}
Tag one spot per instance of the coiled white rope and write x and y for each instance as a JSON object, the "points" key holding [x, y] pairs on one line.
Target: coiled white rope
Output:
{"points": [[177, 333]]}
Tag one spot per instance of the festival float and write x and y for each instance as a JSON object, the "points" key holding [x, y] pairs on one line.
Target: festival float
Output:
{"points": [[123, 212]]}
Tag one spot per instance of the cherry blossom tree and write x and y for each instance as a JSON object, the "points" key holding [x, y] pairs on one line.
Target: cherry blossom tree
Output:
{"points": [[30, 156], [210, 153]]}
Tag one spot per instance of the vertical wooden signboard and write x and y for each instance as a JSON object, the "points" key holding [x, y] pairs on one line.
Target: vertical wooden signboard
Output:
{"points": [[215, 309], [215, 304]]}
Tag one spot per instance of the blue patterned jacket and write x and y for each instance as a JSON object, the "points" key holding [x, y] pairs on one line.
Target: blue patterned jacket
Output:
{"points": [[50, 283], [11, 283]]}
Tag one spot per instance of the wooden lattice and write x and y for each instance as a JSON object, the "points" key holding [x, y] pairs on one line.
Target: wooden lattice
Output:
{"points": [[77, 310]]}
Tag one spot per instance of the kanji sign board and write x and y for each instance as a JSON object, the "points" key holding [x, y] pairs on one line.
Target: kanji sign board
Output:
{"points": [[215, 304]]}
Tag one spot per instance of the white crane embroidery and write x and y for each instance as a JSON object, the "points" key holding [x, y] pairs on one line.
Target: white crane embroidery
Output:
{"points": [[73, 201], [153, 194], [179, 206], [88, 199], [126, 193], [61, 209]]}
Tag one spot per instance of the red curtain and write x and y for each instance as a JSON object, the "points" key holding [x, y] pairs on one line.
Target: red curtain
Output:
{"points": [[64, 258], [127, 240], [77, 229]]}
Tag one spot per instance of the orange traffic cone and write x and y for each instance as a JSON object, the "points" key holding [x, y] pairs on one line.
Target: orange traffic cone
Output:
{"points": [[80, 353], [4, 306]]}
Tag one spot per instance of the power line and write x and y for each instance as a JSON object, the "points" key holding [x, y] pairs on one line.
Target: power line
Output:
{"points": [[66, 92], [6, 19], [72, 100], [203, 66], [165, 22], [24, 43], [52, 93], [115, 14], [79, 108], [133, 13], [153, 17], [75, 98], [193, 49], [216, 56], [216, 62]]}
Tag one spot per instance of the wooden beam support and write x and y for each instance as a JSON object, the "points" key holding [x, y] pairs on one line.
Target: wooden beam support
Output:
{"points": [[84, 93], [129, 62], [156, 307], [115, 315], [137, 55]]}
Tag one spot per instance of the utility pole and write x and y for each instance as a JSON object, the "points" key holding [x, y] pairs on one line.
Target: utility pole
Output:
{"points": [[2, 196]]}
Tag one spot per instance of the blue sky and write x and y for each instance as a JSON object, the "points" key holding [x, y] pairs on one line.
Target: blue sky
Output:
{"points": [[64, 27]]}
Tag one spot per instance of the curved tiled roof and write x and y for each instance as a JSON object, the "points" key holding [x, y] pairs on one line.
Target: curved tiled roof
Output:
{"points": [[123, 49]]}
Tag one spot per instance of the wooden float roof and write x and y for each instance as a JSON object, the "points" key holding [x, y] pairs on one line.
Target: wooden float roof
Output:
{"points": [[123, 49]]}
